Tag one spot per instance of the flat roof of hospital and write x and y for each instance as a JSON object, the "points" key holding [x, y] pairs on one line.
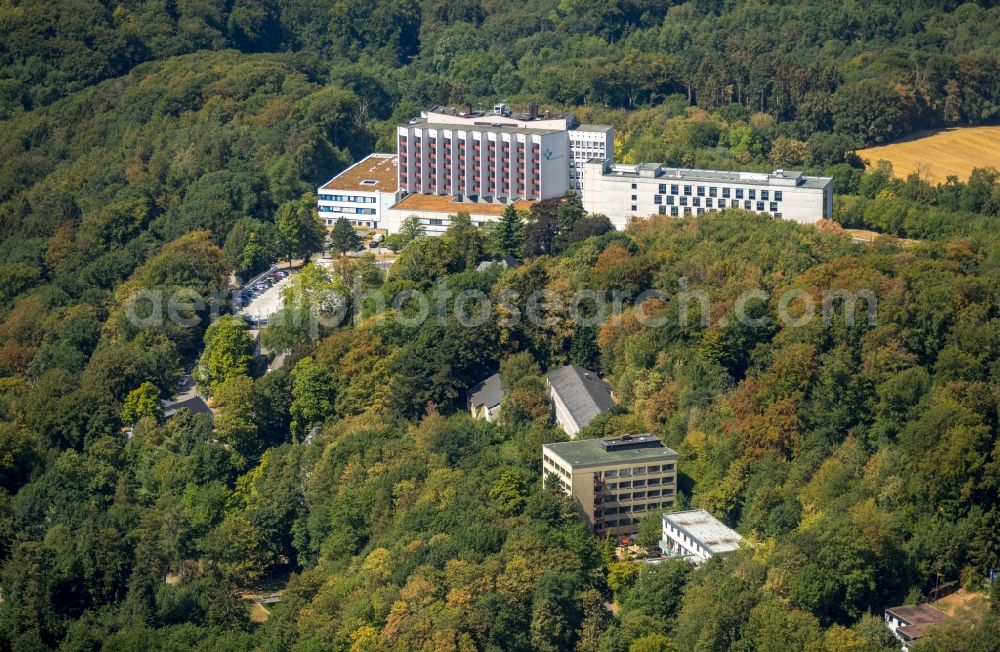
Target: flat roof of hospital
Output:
{"points": [[503, 129], [581, 453], [779, 178], [450, 204], [374, 172]]}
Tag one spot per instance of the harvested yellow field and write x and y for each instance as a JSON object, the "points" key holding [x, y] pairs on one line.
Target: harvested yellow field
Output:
{"points": [[935, 155]]}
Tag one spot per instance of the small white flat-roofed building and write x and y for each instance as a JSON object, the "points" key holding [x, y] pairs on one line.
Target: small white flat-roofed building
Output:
{"points": [[627, 192], [697, 536], [363, 193], [614, 482]]}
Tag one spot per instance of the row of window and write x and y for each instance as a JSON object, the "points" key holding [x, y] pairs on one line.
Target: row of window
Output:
{"points": [[475, 145], [625, 522], [713, 191], [629, 484], [349, 210], [357, 199], [639, 495], [710, 203], [682, 537], [637, 470], [330, 222], [643, 507], [490, 170]]}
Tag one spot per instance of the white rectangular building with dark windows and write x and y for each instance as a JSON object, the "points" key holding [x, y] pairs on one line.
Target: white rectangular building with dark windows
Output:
{"points": [[697, 536], [363, 193], [588, 142], [626, 192]]}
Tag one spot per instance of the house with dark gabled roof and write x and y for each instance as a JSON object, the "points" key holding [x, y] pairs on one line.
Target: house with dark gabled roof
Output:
{"points": [[578, 395], [485, 398], [193, 402]]}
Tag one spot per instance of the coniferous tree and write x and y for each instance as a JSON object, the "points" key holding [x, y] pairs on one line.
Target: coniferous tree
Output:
{"points": [[344, 238], [508, 235]]}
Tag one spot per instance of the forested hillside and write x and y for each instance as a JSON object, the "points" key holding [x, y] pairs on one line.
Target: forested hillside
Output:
{"points": [[167, 145]]}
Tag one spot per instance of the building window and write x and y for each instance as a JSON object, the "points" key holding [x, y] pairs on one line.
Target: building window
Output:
{"points": [[673, 188], [739, 193], [751, 194], [748, 205], [696, 201], [777, 195], [673, 211], [663, 188], [634, 186], [684, 201], [701, 191], [662, 209], [634, 197], [735, 203], [713, 191], [778, 215], [670, 200], [708, 202], [764, 194], [657, 199], [774, 206], [687, 190], [437, 222], [760, 206], [634, 208], [725, 193]]}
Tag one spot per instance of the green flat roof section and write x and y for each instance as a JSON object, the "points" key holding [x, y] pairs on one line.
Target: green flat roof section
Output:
{"points": [[588, 452]]}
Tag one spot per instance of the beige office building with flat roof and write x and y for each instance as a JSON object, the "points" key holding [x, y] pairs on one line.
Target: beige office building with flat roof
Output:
{"points": [[614, 482]]}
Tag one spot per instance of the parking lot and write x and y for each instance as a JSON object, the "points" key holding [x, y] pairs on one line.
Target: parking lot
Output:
{"points": [[262, 297]]}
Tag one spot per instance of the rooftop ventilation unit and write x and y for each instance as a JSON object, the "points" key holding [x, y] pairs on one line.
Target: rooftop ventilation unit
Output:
{"points": [[630, 442]]}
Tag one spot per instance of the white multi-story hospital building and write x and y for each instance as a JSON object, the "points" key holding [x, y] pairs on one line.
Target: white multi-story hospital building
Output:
{"points": [[625, 192], [479, 161], [497, 156]]}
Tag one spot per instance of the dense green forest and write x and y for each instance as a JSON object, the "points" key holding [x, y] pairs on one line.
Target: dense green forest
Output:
{"points": [[166, 145]]}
